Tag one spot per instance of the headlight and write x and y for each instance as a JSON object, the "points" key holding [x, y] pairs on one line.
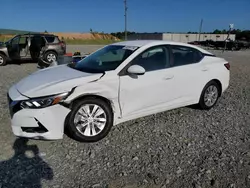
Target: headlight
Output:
{"points": [[44, 101]]}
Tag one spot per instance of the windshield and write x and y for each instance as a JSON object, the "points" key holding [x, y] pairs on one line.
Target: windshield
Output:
{"points": [[105, 59]]}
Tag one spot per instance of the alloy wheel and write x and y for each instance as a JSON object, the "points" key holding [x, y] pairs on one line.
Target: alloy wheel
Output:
{"points": [[211, 95], [51, 57], [90, 120]]}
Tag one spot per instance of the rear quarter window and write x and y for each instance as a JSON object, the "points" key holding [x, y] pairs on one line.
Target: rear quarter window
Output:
{"points": [[183, 55], [52, 39]]}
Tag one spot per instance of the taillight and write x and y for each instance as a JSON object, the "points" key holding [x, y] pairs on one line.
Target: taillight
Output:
{"points": [[227, 65]]}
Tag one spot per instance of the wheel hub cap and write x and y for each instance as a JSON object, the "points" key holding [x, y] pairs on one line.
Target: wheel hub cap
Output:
{"points": [[51, 57], [90, 120]]}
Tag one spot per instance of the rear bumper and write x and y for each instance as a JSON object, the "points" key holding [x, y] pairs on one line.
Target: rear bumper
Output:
{"points": [[225, 81], [46, 123]]}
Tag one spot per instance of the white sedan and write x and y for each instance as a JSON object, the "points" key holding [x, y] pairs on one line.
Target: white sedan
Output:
{"points": [[117, 83]]}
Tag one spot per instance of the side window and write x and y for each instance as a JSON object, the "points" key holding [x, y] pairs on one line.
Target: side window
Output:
{"points": [[37, 41], [15, 40], [183, 55], [23, 40], [52, 39], [155, 58]]}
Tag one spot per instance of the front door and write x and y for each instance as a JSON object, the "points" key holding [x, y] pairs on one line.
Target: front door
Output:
{"points": [[141, 94], [13, 48]]}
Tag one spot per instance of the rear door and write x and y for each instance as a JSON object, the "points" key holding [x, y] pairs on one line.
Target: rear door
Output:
{"points": [[36, 44], [190, 74]]}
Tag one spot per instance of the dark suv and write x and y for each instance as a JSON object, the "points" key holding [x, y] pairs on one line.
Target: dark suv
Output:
{"points": [[32, 47]]}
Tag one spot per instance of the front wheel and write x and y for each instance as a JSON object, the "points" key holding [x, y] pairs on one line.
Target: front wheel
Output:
{"points": [[2, 60], [90, 120], [209, 95]]}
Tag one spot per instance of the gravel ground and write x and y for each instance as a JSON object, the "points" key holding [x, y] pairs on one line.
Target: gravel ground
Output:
{"points": [[185, 147]]}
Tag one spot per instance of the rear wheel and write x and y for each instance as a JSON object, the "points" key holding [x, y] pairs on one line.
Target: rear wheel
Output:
{"points": [[209, 96], [2, 60], [50, 56], [90, 120]]}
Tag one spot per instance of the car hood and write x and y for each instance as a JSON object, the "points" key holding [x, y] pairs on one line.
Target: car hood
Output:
{"points": [[53, 80]]}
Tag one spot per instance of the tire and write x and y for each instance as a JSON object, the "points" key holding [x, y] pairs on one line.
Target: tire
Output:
{"points": [[78, 135], [204, 102], [2, 60], [50, 56]]}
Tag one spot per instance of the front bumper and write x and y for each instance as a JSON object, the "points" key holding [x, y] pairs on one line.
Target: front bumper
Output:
{"points": [[45, 123]]}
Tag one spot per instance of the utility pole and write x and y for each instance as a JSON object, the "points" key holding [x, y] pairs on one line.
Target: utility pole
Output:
{"points": [[231, 26], [125, 15], [200, 29]]}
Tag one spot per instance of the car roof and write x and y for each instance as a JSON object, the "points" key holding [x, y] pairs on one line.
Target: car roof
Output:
{"points": [[140, 43]]}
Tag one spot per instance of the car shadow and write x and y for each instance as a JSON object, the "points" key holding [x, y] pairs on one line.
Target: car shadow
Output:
{"points": [[194, 107], [26, 168], [16, 62]]}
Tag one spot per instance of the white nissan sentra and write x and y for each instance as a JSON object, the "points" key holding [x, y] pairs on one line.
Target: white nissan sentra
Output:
{"points": [[117, 83]]}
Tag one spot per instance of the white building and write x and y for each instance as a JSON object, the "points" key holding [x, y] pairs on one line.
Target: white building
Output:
{"points": [[180, 37]]}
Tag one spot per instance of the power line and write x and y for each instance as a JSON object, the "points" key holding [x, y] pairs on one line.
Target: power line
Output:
{"points": [[125, 15]]}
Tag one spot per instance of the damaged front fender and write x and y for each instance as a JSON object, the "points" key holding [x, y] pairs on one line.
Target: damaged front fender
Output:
{"points": [[103, 88]]}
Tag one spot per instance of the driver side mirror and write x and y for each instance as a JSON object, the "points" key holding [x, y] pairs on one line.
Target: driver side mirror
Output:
{"points": [[136, 69]]}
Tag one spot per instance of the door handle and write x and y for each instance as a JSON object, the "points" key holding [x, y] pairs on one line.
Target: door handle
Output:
{"points": [[168, 77]]}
